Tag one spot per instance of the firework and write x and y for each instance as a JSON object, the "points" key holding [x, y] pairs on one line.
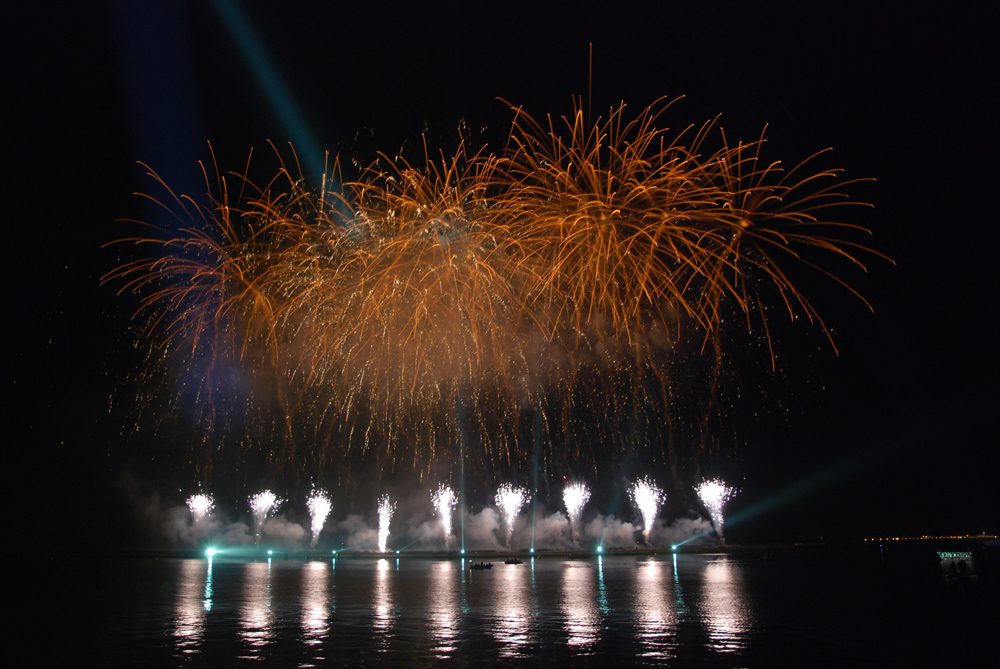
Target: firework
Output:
{"points": [[647, 498], [444, 500], [714, 494], [575, 496], [434, 307], [319, 508], [200, 505], [509, 500], [385, 510], [262, 504]]}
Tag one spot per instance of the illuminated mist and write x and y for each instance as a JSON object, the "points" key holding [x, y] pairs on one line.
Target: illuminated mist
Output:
{"points": [[509, 500], [714, 494], [262, 504], [319, 508], [444, 500], [647, 498], [385, 510], [575, 496]]}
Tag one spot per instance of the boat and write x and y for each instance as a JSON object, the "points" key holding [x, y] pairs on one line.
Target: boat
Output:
{"points": [[482, 565], [513, 560]]}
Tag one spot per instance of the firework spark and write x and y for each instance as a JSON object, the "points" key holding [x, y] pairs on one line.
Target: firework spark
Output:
{"points": [[575, 496], [647, 498], [509, 500], [385, 510], [201, 506], [444, 500], [319, 508], [714, 494], [262, 504]]}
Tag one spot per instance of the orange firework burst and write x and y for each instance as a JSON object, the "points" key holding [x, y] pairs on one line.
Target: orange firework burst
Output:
{"points": [[473, 302]]}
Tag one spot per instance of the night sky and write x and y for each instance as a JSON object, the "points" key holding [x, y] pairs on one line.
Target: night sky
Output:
{"points": [[895, 436]]}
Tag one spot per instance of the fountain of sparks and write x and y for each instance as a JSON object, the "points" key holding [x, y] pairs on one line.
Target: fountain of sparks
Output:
{"points": [[200, 505], [509, 500], [262, 504], [444, 501], [714, 494], [575, 496], [319, 508], [647, 498], [385, 510]]}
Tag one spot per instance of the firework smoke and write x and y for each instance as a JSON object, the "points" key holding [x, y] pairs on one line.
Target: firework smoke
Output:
{"points": [[714, 494], [575, 496], [261, 505], [444, 501], [647, 498], [509, 500], [385, 510], [319, 508]]}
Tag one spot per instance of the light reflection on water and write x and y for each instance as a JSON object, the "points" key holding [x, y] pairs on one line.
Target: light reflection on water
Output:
{"points": [[512, 604], [579, 605], [256, 617], [382, 598], [443, 608], [389, 607], [194, 600], [725, 608], [654, 613], [317, 601]]}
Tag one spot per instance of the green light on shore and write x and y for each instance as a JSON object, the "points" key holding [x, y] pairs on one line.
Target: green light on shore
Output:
{"points": [[210, 552], [600, 549]]}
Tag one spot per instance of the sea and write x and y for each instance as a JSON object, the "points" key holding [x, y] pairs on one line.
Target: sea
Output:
{"points": [[786, 606]]}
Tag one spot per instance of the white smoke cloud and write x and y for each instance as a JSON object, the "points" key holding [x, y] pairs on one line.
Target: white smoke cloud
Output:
{"points": [[283, 533], [481, 530], [360, 535], [610, 532]]}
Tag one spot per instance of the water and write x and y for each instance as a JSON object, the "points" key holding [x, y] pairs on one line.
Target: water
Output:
{"points": [[723, 610]]}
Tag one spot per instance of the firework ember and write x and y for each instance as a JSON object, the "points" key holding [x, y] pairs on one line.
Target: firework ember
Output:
{"points": [[509, 500], [714, 494], [385, 510], [647, 498], [575, 496], [444, 500], [319, 508]]}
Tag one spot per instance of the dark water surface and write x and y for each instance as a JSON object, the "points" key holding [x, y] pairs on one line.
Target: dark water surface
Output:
{"points": [[814, 607]]}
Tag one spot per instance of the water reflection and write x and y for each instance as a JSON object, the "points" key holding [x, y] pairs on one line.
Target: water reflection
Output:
{"points": [[194, 601], [512, 602], [654, 615], [725, 606], [383, 601], [443, 608], [602, 596], [315, 605], [256, 616], [579, 606]]}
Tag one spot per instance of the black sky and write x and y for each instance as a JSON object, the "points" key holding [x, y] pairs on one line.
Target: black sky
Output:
{"points": [[897, 435]]}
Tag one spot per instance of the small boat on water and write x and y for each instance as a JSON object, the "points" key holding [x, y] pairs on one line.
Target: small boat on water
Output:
{"points": [[482, 565], [513, 560]]}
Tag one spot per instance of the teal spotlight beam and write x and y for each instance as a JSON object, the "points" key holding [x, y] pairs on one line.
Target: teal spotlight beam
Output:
{"points": [[274, 88]]}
